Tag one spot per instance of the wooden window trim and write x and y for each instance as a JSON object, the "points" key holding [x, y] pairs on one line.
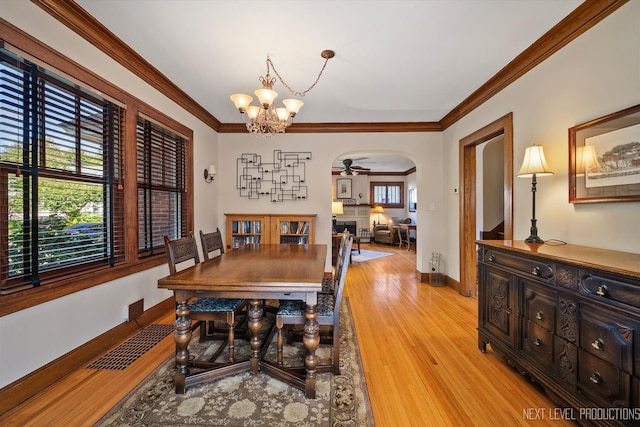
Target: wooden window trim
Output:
{"points": [[374, 184], [56, 288]]}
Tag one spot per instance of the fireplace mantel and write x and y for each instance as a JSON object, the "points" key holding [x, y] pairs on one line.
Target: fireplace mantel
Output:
{"points": [[361, 215]]}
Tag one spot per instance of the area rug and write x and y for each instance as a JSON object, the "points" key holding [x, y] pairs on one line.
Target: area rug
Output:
{"points": [[253, 400], [367, 255]]}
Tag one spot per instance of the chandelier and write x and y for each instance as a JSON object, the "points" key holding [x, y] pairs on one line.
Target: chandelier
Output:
{"points": [[266, 120]]}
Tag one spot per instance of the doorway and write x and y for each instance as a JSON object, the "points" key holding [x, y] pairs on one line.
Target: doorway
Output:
{"points": [[467, 169]]}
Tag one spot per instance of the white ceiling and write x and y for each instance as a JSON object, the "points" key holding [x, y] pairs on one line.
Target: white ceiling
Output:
{"points": [[396, 60]]}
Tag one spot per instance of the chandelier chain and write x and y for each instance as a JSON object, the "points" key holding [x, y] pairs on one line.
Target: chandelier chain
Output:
{"points": [[294, 92]]}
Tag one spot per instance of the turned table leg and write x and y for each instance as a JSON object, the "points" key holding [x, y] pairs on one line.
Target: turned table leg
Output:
{"points": [[311, 341], [182, 337], [255, 312]]}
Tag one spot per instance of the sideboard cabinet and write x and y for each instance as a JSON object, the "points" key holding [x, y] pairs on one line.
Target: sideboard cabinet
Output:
{"points": [[246, 229], [568, 317]]}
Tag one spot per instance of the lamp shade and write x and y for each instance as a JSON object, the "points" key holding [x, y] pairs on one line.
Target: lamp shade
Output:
{"points": [[336, 208], [241, 101], [534, 163], [293, 106], [378, 209], [586, 158]]}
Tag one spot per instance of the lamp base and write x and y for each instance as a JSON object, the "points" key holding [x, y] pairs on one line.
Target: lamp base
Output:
{"points": [[533, 239]]}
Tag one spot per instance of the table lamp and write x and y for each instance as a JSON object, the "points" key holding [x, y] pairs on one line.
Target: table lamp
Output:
{"points": [[534, 164], [378, 210], [336, 209]]}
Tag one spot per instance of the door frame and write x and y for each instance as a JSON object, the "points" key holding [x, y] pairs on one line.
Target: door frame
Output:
{"points": [[467, 164]]}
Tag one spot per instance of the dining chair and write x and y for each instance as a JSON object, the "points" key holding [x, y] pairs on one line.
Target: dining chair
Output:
{"points": [[292, 312], [328, 284], [211, 242], [204, 309]]}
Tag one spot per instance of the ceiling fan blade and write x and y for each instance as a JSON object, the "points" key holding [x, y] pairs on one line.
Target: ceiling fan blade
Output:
{"points": [[361, 168]]}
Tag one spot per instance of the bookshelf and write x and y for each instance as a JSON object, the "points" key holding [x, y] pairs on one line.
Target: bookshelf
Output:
{"points": [[246, 229]]}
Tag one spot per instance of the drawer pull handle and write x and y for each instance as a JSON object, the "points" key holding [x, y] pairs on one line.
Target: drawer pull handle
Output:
{"points": [[602, 291], [507, 310], [539, 315], [595, 378], [537, 342], [492, 258], [536, 271], [598, 344]]}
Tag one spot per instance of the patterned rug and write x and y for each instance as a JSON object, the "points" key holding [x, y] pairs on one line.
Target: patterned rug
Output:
{"points": [[367, 255], [258, 400]]}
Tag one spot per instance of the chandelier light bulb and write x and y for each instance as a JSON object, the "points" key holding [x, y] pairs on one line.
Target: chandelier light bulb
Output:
{"points": [[241, 101], [266, 97], [293, 106]]}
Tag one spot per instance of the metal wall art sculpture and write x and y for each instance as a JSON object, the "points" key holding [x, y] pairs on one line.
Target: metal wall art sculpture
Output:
{"points": [[281, 180]]}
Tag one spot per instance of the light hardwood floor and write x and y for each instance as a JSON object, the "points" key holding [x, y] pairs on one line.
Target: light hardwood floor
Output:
{"points": [[419, 350]]}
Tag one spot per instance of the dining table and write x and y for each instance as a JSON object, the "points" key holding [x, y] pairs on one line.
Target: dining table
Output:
{"points": [[255, 273]]}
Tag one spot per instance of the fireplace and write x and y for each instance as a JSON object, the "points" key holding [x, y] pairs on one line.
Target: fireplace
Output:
{"points": [[349, 225]]}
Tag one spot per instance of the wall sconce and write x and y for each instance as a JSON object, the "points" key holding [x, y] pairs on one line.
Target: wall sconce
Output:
{"points": [[210, 173], [534, 164]]}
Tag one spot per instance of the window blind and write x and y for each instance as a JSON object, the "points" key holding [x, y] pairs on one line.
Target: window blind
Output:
{"points": [[61, 198], [161, 165]]}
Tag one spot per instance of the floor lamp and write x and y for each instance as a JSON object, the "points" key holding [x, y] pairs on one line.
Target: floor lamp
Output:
{"points": [[534, 164]]}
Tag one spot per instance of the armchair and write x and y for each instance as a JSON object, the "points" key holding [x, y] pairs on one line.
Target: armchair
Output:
{"points": [[388, 233]]}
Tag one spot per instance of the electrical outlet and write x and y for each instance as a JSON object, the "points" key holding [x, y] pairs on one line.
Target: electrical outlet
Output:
{"points": [[455, 190]]}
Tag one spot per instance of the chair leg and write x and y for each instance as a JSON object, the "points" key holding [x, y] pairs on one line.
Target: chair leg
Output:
{"points": [[279, 339], [336, 350], [231, 323]]}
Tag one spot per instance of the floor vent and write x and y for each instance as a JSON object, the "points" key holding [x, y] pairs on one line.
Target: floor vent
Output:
{"points": [[129, 351]]}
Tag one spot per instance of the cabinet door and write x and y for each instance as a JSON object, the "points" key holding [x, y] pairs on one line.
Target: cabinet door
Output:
{"points": [[246, 230], [297, 230], [499, 305]]}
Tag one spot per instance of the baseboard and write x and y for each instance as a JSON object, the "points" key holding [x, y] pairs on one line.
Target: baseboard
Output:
{"points": [[28, 386], [448, 281]]}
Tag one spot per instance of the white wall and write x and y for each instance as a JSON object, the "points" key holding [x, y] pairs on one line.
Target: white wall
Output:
{"points": [[595, 75], [425, 149], [40, 334]]}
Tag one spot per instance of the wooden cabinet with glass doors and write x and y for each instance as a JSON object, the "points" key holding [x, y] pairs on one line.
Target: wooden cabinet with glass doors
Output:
{"points": [[246, 229]]}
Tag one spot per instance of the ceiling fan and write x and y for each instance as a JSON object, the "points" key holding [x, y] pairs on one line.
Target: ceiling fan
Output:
{"points": [[350, 168]]}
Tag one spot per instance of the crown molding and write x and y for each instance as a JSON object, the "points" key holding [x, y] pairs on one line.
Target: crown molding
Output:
{"points": [[69, 13], [584, 17], [573, 25]]}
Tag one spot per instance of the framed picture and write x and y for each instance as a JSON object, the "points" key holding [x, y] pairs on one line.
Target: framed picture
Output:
{"points": [[604, 159], [343, 188]]}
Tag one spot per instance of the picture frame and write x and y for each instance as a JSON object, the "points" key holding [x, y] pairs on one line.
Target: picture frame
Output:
{"points": [[343, 188], [604, 158]]}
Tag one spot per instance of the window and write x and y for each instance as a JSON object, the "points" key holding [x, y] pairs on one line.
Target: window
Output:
{"points": [[161, 186], [387, 194], [60, 177], [71, 190]]}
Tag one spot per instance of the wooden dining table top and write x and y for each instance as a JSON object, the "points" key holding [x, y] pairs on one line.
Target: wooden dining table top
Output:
{"points": [[251, 268]]}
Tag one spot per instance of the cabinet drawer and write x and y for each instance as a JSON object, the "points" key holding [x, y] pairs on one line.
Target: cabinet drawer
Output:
{"points": [[610, 289], [527, 266], [603, 382], [540, 307], [608, 339], [539, 343]]}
